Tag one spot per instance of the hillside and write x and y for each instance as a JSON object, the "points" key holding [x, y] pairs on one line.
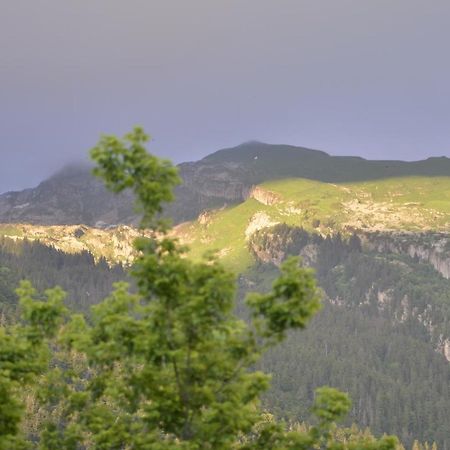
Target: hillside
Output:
{"points": [[410, 204], [376, 232]]}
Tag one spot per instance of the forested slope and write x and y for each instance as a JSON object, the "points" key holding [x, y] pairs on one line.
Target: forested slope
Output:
{"points": [[86, 281], [380, 335]]}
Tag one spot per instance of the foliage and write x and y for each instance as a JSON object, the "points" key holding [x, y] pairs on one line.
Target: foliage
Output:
{"points": [[24, 354]]}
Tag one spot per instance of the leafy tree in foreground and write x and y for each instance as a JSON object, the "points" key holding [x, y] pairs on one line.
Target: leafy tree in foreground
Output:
{"points": [[169, 367], [24, 353]]}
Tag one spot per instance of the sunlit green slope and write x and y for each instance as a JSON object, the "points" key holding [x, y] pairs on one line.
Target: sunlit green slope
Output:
{"points": [[396, 204]]}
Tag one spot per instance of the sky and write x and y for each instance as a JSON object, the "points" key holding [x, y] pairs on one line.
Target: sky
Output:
{"points": [[350, 77]]}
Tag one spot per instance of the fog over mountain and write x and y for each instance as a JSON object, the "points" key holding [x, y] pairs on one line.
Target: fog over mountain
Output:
{"points": [[347, 77]]}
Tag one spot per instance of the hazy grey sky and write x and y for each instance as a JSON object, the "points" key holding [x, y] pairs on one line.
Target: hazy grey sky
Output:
{"points": [[361, 77]]}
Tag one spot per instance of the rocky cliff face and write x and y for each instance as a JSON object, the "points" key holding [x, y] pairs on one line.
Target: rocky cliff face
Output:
{"points": [[74, 196], [207, 186], [389, 258], [432, 248], [264, 196], [115, 244], [405, 311], [221, 181]]}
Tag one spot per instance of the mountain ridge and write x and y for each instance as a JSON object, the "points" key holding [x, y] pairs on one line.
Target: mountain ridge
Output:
{"points": [[225, 177]]}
